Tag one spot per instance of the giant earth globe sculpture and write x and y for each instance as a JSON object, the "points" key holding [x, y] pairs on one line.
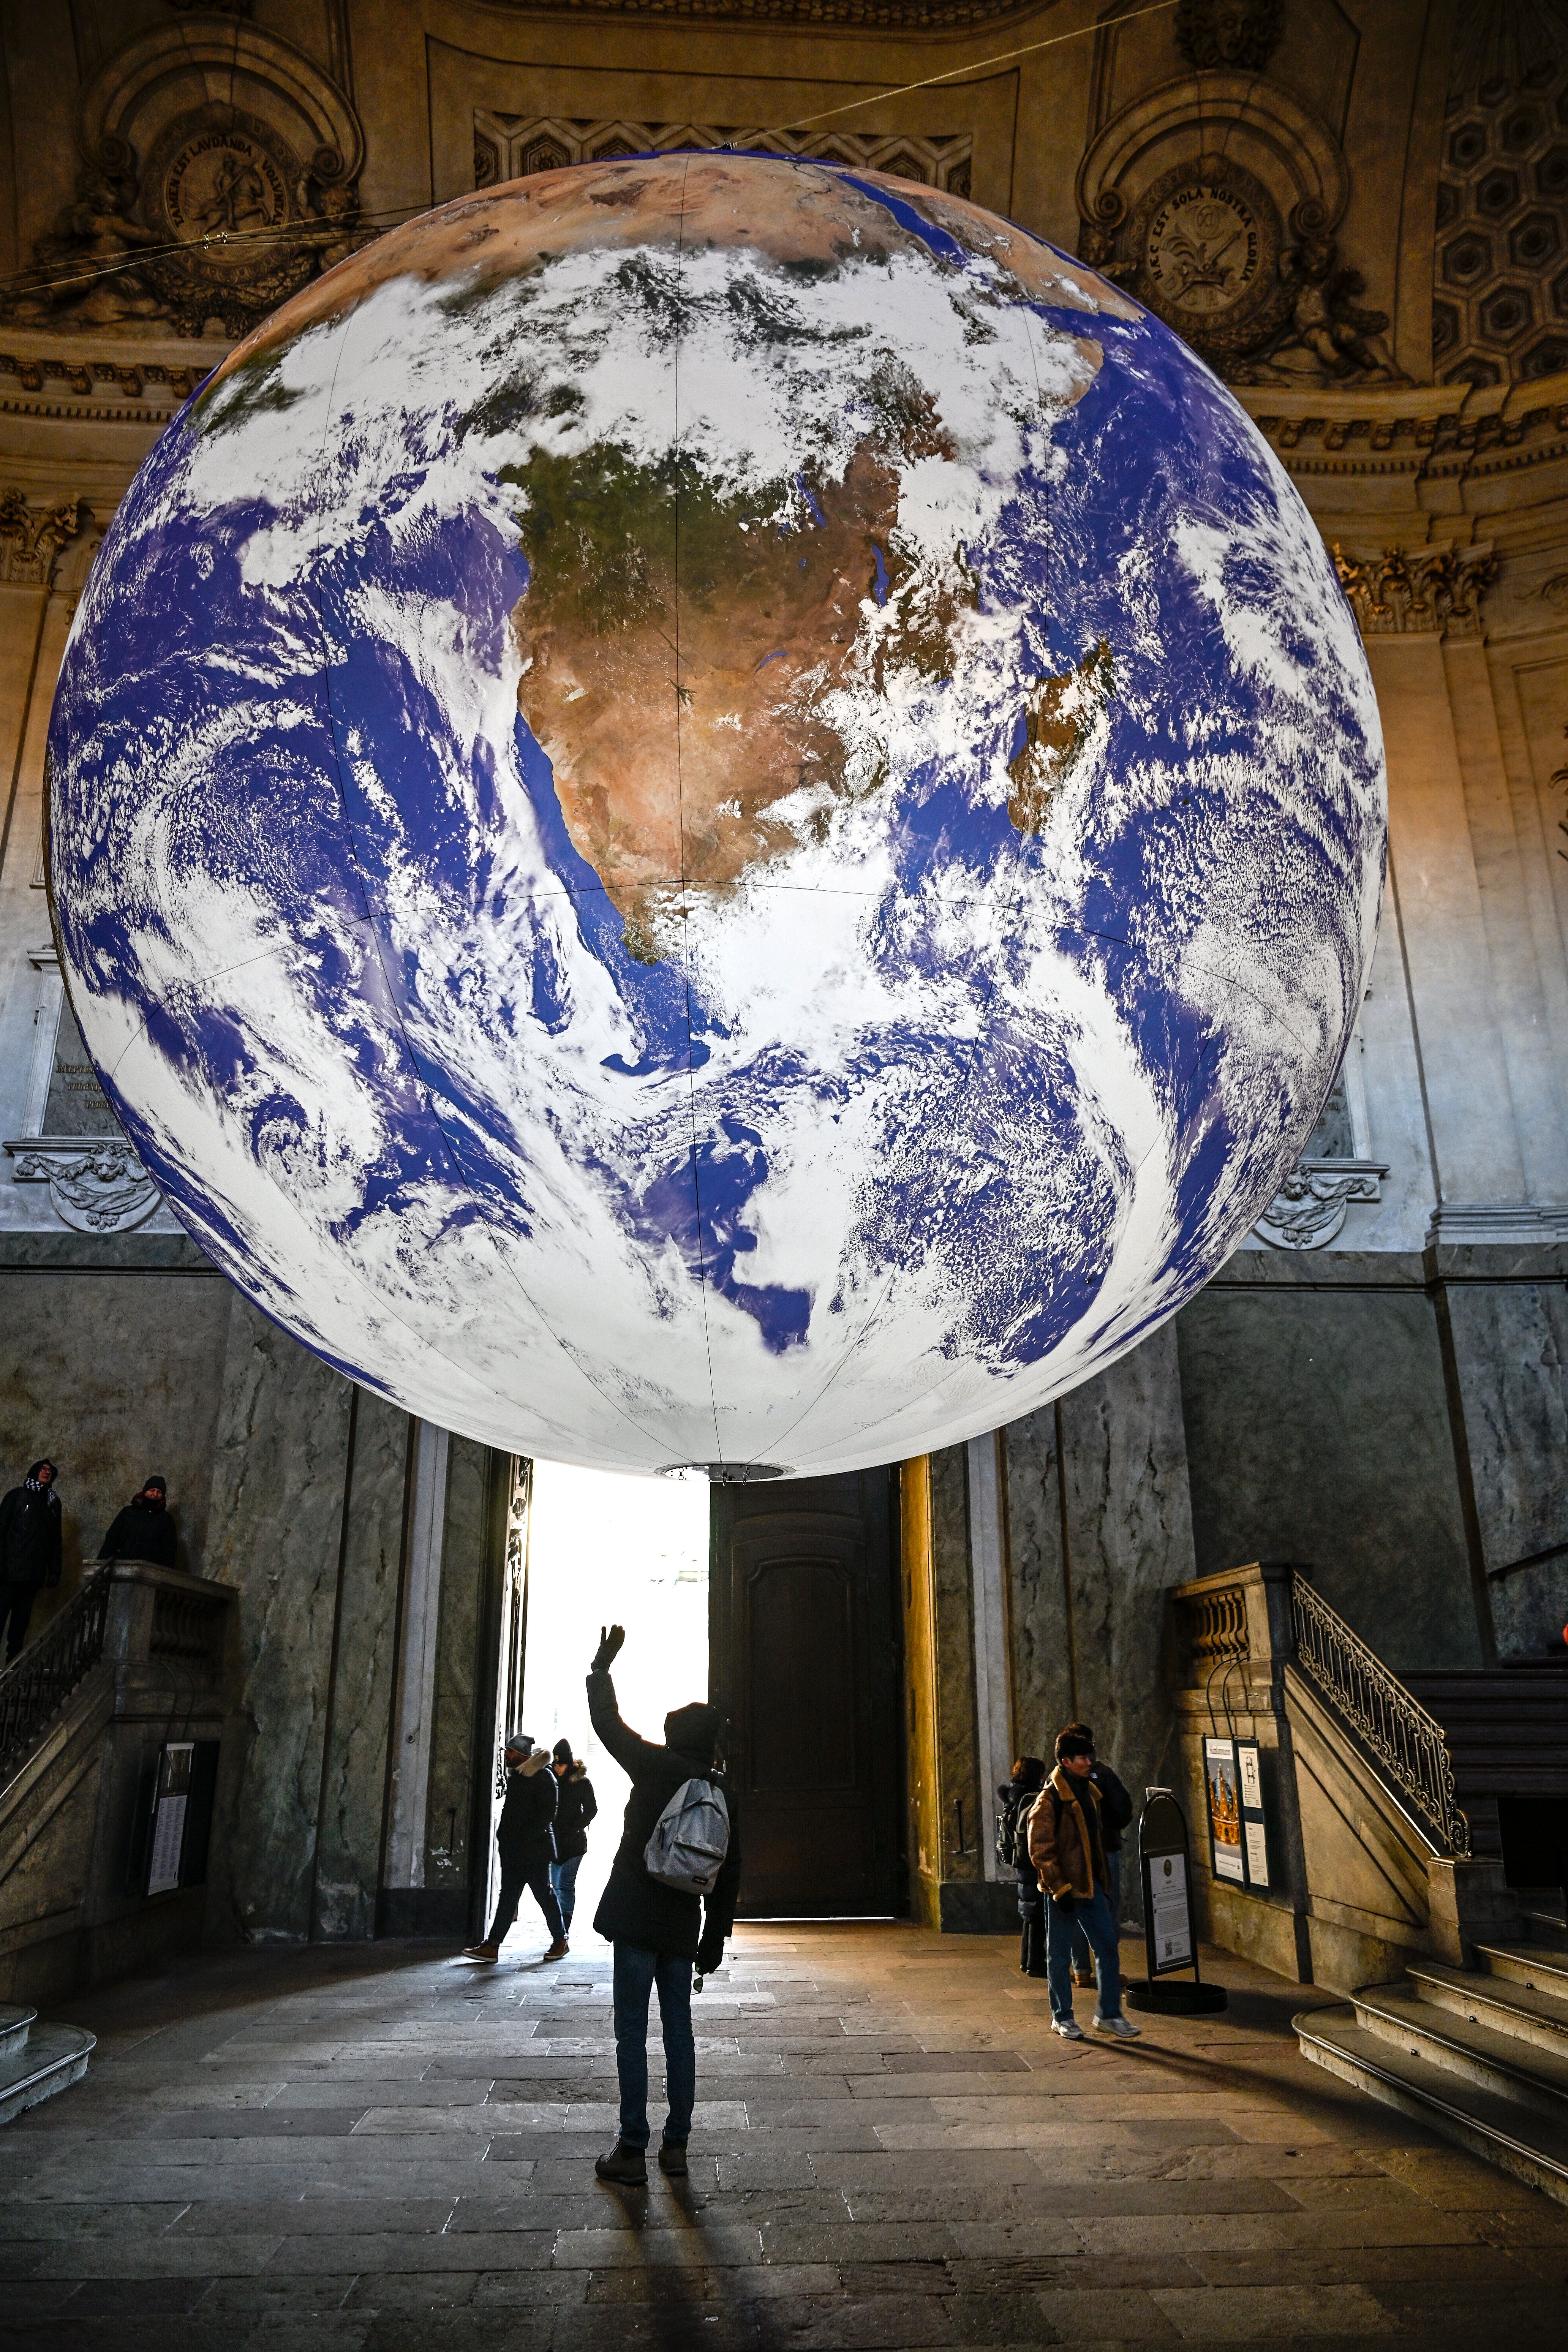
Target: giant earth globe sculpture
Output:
{"points": [[712, 810]]}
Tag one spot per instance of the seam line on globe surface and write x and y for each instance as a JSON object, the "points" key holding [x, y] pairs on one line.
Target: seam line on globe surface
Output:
{"points": [[680, 838], [874, 1314], [458, 1175]]}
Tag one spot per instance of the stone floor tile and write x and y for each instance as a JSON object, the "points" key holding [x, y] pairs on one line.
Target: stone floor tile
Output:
{"points": [[139, 2261], [305, 2297], [316, 2215], [691, 2248], [1126, 2315], [1222, 2315]]}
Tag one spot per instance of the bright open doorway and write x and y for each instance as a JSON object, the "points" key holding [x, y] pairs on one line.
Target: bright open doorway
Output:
{"points": [[605, 1549]]}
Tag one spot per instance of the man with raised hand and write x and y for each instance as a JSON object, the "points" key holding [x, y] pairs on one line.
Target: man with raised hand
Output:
{"points": [[656, 1925]]}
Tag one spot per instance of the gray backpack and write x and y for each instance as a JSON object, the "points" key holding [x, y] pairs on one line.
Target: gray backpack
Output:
{"points": [[690, 1839]]}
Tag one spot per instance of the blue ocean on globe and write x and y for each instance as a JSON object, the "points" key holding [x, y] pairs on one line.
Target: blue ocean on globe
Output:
{"points": [[710, 809]]}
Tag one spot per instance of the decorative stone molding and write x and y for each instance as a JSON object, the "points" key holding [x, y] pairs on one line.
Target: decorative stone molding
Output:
{"points": [[822, 15], [512, 146], [1422, 590], [220, 173], [95, 1187], [1310, 1207], [1456, 1224]]}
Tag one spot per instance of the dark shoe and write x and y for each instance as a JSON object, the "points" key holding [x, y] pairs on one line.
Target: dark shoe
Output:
{"points": [[558, 1949], [626, 2165], [672, 2159], [482, 1952]]}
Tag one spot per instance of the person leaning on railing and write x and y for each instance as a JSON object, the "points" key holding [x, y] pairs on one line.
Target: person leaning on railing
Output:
{"points": [[30, 1549]]}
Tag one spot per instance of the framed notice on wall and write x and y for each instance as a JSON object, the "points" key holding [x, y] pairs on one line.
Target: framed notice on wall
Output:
{"points": [[1222, 1776], [170, 1806], [1249, 1792]]}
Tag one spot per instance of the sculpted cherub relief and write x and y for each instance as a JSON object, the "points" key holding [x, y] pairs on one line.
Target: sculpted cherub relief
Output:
{"points": [[1326, 333], [1240, 35], [82, 270]]}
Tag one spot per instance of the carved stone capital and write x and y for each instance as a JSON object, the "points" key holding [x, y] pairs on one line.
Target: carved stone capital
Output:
{"points": [[96, 1186], [1424, 590], [1310, 1207], [33, 537]]}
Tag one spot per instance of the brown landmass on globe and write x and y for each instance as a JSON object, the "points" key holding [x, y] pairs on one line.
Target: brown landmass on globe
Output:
{"points": [[787, 210], [677, 645]]}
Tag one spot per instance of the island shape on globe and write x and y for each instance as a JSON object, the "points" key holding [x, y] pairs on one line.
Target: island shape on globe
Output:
{"points": [[711, 809]]}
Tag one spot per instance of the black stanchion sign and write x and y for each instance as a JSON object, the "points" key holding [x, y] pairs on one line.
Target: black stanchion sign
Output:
{"points": [[1167, 1897], [1168, 1931]]}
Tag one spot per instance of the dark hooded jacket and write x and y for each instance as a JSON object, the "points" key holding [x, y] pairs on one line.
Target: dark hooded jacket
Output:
{"points": [[30, 1533], [523, 1833], [575, 1806], [142, 1530], [634, 1908]]}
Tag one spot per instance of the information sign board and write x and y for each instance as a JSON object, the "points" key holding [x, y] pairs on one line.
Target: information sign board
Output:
{"points": [[170, 1807], [1222, 1776], [1254, 1832]]}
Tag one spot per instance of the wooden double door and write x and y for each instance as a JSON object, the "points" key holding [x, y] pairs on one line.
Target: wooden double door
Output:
{"points": [[804, 1630]]}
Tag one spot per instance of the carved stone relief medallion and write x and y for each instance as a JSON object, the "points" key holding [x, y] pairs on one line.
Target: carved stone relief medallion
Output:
{"points": [[226, 187], [1205, 240]]}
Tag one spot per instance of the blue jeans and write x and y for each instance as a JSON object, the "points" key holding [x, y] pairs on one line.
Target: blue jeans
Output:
{"points": [[564, 1887], [637, 1973], [1081, 1960], [1099, 1927]]}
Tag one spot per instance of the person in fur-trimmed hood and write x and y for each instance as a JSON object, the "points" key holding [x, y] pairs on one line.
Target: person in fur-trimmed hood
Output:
{"points": [[1067, 1846], [526, 1849]]}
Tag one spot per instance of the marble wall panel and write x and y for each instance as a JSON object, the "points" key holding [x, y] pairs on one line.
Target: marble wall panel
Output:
{"points": [[1089, 1641], [1130, 1537], [1510, 1346], [963, 1815], [1042, 1674], [114, 1375], [464, 1564], [348, 1862], [276, 1520], [1317, 1431]]}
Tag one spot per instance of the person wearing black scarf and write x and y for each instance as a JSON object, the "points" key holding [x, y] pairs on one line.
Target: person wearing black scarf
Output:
{"points": [[143, 1529], [30, 1549]]}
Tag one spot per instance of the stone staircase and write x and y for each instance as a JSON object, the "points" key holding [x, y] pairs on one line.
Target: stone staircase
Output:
{"points": [[1480, 2055], [36, 2061]]}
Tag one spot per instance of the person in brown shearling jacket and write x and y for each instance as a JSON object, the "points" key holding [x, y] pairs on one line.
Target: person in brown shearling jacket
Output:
{"points": [[1068, 1849]]}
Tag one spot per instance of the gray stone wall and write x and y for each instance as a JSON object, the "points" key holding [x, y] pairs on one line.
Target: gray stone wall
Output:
{"points": [[354, 1782], [1318, 1431], [278, 1479], [1088, 1632], [114, 1374], [461, 1699], [1507, 1314]]}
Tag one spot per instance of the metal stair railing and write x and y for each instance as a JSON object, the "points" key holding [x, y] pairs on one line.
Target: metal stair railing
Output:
{"points": [[1394, 1728], [35, 1687]]}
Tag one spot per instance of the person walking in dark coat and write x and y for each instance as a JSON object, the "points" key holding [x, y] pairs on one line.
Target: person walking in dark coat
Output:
{"points": [[143, 1529], [1016, 1795], [657, 1931], [1115, 1813], [30, 1549], [575, 1806], [524, 1844]]}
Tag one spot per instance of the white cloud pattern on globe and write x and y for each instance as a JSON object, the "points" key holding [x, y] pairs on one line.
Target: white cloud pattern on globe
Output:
{"points": [[712, 809]]}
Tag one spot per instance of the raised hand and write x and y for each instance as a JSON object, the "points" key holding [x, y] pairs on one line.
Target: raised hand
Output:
{"points": [[611, 1641]]}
